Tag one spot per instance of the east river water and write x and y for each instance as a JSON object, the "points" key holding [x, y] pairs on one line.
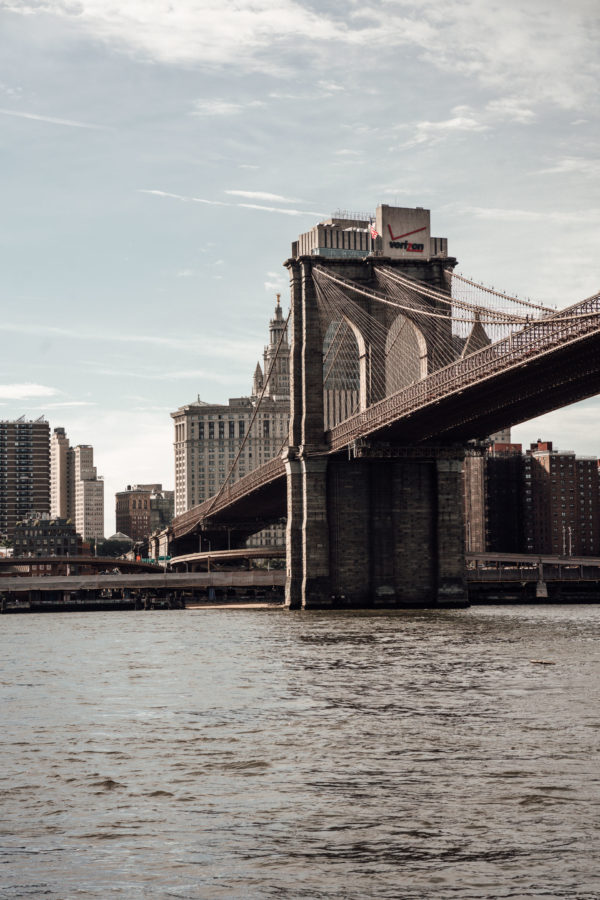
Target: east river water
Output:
{"points": [[241, 754]]}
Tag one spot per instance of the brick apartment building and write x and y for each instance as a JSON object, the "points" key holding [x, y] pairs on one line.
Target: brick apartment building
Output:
{"points": [[543, 501], [24, 471]]}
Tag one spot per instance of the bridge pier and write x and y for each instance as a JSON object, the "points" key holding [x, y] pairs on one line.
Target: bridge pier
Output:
{"points": [[376, 532]]}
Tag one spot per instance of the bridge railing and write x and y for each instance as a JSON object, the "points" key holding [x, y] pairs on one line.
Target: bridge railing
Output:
{"points": [[257, 478], [533, 340]]}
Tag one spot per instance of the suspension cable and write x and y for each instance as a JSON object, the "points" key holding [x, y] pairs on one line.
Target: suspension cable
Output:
{"points": [[252, 420]]}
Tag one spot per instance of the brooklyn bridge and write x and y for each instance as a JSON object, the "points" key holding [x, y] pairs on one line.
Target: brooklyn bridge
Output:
{"points": [[399, 367]]}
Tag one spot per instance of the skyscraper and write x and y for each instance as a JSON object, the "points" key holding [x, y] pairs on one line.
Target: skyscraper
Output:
{"points": [[76, 491], [24, 471], [209, 437], [89, 495], [62, 476]]}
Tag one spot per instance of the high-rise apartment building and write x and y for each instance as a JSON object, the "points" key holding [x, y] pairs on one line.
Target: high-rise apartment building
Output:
{"points": [[62, 476], [24, 471], [76, 491], [89, 495], [560, 502], [543, 501], [209, 437]]}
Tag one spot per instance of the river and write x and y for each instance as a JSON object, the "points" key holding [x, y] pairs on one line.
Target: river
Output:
{"points": [[267, 754]]}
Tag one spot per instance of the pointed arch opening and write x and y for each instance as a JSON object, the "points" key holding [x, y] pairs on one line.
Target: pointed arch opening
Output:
{"points": [[405, 353]]}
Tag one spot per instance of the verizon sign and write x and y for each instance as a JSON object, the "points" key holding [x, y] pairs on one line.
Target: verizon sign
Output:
{"points": [[404, 232]]}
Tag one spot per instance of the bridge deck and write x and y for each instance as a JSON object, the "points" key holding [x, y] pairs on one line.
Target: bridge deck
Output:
{"points": [[550, 363], [166, 581]]}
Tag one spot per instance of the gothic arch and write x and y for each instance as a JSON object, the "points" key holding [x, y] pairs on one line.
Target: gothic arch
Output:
{"points": [[406, 355]]}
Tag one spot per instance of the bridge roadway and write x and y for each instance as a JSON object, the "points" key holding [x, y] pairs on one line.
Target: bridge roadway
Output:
{"points": [[480, 568], [93, 563], [523, 567], [221, 557], [547, 365], [167, 581]]}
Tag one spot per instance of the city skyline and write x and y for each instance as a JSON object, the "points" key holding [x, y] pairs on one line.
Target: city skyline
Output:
{"points": [[158, 169]]}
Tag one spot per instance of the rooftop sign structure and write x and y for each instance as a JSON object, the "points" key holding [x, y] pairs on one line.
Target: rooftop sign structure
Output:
{"points": [[394, 231]]}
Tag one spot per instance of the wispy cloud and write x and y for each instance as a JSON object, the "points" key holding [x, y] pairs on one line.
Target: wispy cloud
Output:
{"points": [[512, 109], [275, 281], [25, 391], [547, 52], [576, 217], [222, 107], [177, 375], [462, 121], [264, 195], [209, 346], [184, 199], [271, 209], [51, 119], [575, 165], [70, 403], [277, 209]]}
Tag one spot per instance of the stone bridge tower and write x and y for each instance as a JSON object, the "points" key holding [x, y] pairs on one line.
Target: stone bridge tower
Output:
{"points": [[381, 527]]}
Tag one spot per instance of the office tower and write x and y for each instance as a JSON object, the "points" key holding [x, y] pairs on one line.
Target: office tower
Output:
{"points": [[24, 471], [89, 495], [209, 437]]}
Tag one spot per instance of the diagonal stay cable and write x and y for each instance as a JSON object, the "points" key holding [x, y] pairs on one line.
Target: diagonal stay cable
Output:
{"points": [[252, 420]]}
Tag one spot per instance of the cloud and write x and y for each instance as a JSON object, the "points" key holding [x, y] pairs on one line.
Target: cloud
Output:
{"points": [[222, 107], [575, 217], [331, 87], [574, 165], [53, 121], [177, 375], [276, 281], [184, 199], [544, 52], [24, 391], [195, 343], [70, 403], [277, 209], [272, 209], [263, 195], [510, 108], [464, 120]]}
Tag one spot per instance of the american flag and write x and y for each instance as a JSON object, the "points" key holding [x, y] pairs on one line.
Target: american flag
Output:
{"points": [[374, 232]]}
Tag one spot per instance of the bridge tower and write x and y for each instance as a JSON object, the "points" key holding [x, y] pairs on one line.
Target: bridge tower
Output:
{"points": [[376, 525]]}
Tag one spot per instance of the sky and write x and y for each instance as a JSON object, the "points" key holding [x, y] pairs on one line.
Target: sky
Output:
{"points": [[158, 159]]}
